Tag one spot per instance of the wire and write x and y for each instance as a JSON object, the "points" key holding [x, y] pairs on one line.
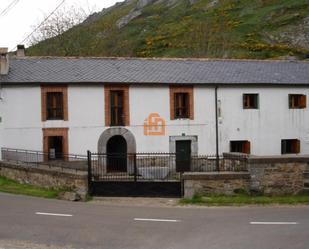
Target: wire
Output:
{"points": [[9, 7], [40, 24]]}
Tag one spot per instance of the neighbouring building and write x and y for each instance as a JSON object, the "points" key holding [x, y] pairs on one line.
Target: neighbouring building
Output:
{"points": [[71, 105]]}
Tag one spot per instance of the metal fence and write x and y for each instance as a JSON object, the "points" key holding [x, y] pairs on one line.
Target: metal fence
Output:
{"points": [[156, 166], [133, 167], [33, 158], [137, 166]]}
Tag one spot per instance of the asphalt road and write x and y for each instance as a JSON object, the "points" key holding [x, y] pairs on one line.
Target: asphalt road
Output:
{"points": [[27, 222]]}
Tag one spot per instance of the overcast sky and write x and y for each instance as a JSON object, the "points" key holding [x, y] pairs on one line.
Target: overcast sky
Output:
{"points": [[18, 21]]}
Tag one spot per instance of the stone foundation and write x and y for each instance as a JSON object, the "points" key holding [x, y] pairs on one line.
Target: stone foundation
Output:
{"points": [[273, 176], [225, 183], [282, 175], [45, 176]]}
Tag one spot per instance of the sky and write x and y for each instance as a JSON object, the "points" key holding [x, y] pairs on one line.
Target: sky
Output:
{"points": [[19, 21]]}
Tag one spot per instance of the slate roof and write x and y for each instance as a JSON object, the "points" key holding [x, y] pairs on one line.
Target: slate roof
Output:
{"points": [[174, 71]]}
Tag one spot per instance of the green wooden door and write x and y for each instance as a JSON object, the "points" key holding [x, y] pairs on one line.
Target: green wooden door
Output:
{"points": [[183, 155]]}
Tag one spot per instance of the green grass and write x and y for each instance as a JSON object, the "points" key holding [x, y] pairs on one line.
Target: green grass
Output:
{"points": [[13, 187], [244, 199]]}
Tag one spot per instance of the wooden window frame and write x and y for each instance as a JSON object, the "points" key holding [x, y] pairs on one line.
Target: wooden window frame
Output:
{"points": [[297, 101], [182, 109], [55, 132], [251, 101], [54, 106], [295, 146], [116, 108], [53, 89], [107, 92], [181, 89], [244, 144]]}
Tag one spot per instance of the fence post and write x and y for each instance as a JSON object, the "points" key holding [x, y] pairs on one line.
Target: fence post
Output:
{"points": [[135, 167], [89, 172]]}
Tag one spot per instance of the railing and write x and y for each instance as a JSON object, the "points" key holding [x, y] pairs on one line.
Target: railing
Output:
{"points": [[157, 166], [137, 166], [33, 158], [134, 167]]}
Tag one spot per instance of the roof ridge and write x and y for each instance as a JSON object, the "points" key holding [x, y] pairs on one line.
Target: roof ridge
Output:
{"points": [[157, 59]]}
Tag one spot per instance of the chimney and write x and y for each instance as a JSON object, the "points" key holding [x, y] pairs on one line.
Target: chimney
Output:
{"points": [[20, 51], [4, 61]]}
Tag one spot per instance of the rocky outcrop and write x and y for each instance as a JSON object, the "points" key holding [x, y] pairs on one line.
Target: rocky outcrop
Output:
{"points": [[129, 17], [137, 10]]}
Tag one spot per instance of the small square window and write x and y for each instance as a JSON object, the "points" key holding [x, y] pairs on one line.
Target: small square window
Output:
{"points": [[290, 146], [241, 146], [250, 101], [181, 105], [297, 101]]}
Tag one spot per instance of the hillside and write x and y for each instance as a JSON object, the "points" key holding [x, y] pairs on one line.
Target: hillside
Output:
{"points": [[189, 28]]}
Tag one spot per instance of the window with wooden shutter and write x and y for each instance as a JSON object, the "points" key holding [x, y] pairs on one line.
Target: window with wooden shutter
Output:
{"points": [[54, 106], [54, 102], [241, 146], [250, 101], [116, 108], [290, 146], [181, 105], [181, 102], [297, 101]]}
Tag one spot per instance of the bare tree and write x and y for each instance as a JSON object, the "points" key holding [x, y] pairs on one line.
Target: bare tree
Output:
{"points": [[60, 22]]}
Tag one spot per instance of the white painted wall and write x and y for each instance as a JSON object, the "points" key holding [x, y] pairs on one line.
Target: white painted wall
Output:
{"points": [[86, 118], [22, 126], [145, 100], [1, 120], [265, 127]]}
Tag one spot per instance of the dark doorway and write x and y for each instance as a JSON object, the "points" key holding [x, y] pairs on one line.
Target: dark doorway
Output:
{"points": [[116, 154], [183, 155], [55, 147]]}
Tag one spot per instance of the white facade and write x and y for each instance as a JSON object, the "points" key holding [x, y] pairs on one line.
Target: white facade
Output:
{"points": [[21, 125]]}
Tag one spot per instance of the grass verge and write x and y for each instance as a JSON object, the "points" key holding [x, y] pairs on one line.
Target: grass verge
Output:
{"points": [[243, 199], [13, 187]]}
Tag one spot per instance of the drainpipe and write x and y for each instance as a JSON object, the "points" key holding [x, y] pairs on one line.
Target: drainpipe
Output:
{"points": [[217, 129]]}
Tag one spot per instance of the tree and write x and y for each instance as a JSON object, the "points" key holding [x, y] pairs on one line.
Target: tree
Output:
{"points": [[57, 24]]}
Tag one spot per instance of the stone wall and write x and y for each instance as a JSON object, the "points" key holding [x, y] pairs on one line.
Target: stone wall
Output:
{"points": [[276, 175], [226, 183], [282, 175], [46, 177]]}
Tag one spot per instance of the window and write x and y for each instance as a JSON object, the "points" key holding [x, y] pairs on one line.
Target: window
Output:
{"points": [[297, 101], [116, 105], [54, 102], [55, 143], [55, 147], [54, 106], [290, 146], [181, 102], [250, 101], [181, 105], [241, 146]]}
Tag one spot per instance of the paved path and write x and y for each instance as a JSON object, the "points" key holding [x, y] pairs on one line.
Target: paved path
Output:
{"points": [[27, 222]]}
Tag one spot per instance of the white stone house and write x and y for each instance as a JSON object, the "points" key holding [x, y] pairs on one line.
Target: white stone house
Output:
{"points": [[71, 105]]}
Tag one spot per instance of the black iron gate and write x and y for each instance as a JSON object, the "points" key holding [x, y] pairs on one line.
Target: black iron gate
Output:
{"points": [[138, 174]]}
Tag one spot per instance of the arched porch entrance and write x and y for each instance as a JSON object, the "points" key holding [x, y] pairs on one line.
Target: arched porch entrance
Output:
{"points": [[116, 149], [117, 143]]}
